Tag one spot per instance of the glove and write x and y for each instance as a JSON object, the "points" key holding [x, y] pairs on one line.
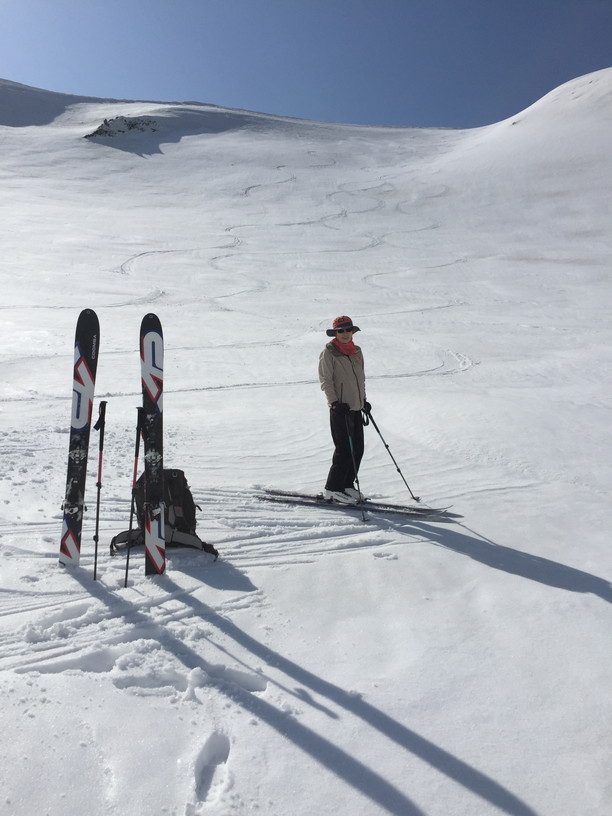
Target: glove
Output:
{"points": [[340, 407], [366, 407]]}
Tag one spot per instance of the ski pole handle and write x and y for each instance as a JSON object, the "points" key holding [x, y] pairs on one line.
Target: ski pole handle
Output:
{"points": [[99, 426]]}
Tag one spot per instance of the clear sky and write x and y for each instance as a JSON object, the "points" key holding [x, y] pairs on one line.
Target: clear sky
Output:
{"points": [[451, 63]]}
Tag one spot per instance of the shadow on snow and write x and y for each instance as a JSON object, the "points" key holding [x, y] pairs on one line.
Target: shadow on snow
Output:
{"points": [[333, 758], [516, 562]]}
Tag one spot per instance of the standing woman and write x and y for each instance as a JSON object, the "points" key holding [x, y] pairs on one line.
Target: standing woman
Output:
{"points": [[342, 378]]}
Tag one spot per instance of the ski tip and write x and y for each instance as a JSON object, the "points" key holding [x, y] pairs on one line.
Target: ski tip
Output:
{"points": [[88, 316], [151, 322]]}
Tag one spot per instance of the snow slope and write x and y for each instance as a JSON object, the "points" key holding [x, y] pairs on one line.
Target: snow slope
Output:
{"points": [[322, 665]]}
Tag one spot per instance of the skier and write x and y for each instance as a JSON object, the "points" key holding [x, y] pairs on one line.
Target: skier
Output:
{"points": [[342, 378]]}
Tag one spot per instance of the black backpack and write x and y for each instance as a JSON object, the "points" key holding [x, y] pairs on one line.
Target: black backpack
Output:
{"points": [[180, 516], [180, 506]]}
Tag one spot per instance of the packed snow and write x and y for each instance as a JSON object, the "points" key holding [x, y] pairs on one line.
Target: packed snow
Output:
{"points": [[322, 665]]}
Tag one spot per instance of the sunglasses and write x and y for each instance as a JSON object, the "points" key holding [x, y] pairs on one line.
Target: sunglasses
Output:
{"points": [[343, 331]]}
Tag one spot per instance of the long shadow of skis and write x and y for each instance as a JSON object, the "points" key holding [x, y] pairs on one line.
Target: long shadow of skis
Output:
{"points": [[334, 759]]}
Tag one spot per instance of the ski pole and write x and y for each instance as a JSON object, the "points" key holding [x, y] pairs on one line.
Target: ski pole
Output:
{"points": [[134, 477], [352, 448], [99, 426], [415, 498]]}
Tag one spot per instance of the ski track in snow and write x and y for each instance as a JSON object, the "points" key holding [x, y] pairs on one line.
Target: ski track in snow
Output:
{"points": [[149, 640], [135, 638], [450, 363]]}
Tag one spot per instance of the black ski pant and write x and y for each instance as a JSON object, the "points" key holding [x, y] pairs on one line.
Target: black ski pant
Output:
{"points": [[345, 428]]}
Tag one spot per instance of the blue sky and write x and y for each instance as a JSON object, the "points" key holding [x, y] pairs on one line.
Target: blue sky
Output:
{"points": [[450, 63]]}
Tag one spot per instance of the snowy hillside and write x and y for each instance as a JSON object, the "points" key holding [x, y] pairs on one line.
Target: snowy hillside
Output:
{"points": [[322, 665]]}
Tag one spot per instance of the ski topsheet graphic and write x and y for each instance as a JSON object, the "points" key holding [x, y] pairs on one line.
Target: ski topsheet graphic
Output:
{"points": [[86, 346], [152, 372]]}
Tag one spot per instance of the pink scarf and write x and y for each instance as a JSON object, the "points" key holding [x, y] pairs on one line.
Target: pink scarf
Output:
{"points": [[345, 348]]}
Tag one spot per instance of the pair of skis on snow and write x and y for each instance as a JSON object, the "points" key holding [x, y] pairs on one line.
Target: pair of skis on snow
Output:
{"points": [[86, 350], [381, 507]]}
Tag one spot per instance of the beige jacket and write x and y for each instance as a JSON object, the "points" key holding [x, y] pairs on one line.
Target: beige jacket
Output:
{"points": [[342, 377]]}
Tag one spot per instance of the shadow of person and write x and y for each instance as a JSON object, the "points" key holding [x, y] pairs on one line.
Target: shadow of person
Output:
{"points": [[516, 562]]}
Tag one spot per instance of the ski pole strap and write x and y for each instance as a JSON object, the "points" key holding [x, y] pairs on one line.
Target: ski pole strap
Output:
{"points": [[99, 426]]}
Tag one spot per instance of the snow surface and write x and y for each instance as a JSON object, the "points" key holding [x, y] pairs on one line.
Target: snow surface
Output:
{"points": [[322, 665]]}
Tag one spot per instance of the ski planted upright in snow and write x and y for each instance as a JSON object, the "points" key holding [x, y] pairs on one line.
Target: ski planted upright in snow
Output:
{"points": [[152, 373], [86, 347]]}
